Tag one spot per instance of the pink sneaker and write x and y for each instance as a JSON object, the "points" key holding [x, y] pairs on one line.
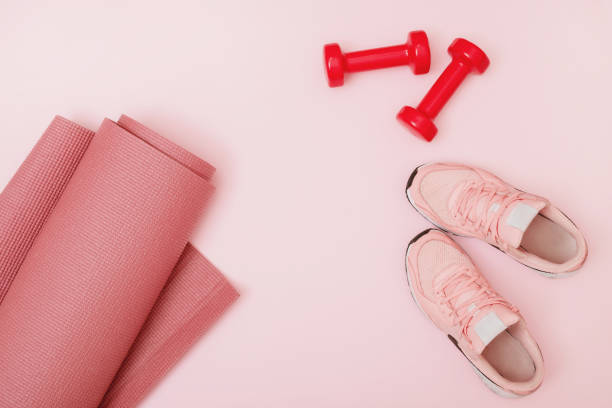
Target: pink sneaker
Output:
{"points": [[489, 331], [472, 202]]}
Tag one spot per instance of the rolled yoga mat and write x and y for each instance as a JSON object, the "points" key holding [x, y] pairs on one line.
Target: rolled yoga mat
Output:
{"points": [[100, 291]]}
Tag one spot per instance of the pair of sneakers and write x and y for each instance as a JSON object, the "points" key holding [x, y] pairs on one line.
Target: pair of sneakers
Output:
{"points": [[449, 289]]}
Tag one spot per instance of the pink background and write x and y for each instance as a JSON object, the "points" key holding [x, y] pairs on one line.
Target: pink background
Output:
{"points": [[310, 220]]}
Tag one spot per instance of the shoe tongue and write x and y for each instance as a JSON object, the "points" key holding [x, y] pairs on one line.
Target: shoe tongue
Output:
{"points": [[488, 323], [516, 218]]}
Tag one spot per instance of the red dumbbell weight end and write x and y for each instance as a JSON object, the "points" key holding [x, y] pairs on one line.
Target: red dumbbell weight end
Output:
{"points": [[467, 58]]}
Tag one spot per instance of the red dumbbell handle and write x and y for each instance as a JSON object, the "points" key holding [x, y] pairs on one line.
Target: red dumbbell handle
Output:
{"points": [[382, 57], [444, 87]]}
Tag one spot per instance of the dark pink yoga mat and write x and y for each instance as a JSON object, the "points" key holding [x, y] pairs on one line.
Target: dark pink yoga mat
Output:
{"points": [[100, 291]]}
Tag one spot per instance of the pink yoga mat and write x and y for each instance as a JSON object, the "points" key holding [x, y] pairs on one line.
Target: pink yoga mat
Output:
{"points": [[100, 291]]}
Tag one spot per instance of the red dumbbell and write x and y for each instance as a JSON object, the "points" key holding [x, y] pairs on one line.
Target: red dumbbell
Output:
{"points": [[467, 57], [415, 52]]}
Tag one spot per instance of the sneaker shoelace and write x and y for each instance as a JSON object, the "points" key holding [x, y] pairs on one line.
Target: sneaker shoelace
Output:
{"points": [[463, 293], [475, 211]]}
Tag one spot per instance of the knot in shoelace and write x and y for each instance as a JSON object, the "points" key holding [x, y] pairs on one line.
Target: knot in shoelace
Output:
{"points": [[464, 292], [480, 205]]}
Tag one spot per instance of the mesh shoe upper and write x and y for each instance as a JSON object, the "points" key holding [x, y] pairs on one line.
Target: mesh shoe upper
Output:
{"points": [[490, 332], [473, 202]]}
